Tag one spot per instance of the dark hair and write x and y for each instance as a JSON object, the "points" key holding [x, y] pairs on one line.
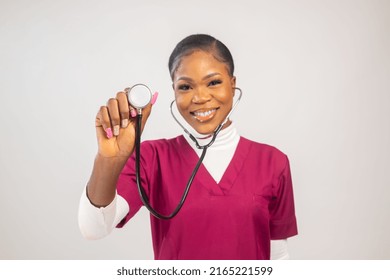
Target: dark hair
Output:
{"points": [[201, 42]]}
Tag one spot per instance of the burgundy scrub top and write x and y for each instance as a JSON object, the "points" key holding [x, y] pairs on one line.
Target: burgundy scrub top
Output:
{"points": [[233, 219]]}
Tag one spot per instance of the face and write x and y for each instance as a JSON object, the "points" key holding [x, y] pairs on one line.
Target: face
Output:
{"points": [[204, 91]]}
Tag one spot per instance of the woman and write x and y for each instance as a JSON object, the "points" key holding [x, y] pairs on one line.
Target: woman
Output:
{"points": [[241, 197]]}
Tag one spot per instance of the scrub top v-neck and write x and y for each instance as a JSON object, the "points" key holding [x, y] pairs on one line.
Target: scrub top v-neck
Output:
{"points": [[233, 219]]}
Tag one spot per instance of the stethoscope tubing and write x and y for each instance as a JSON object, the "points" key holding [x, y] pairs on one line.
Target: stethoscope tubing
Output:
{"points": [[141, 190]]}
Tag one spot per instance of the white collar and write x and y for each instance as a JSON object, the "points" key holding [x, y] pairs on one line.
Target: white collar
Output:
{"points": [[225, 138]]}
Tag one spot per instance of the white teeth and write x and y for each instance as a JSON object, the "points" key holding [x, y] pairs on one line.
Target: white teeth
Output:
{"points": [[204, 114]]}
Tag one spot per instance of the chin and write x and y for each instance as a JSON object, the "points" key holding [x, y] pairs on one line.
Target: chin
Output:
{"points": [[206, 130]]}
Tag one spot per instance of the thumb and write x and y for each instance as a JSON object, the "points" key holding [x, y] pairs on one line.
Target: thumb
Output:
{"points": [[148, 109]]}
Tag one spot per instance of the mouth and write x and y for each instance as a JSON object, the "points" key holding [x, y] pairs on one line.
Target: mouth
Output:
{"points": [[203, 115]]}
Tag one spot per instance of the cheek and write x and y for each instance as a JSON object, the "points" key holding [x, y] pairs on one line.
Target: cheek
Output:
{"points": [[183, 100], [226, 97]]}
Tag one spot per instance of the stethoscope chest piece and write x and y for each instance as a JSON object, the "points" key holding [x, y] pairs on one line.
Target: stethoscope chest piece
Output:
{"points": [[139, 96]]}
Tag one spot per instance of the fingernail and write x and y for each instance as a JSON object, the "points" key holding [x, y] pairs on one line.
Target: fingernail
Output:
{"points": [[133, 113], [125, 123], [109, 132], [154, 98], [116, 130]]}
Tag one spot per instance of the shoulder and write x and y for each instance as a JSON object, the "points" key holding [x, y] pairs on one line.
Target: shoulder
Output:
{"points": [[160, 145], [266, 153], [263, 148]]}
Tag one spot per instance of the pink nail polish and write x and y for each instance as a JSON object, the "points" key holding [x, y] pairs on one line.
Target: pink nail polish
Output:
{"points": [[154, 98], [133, 113], [109, 132]]}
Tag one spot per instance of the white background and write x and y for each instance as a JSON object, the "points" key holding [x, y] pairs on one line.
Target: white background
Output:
{"points": [[316, 83]]}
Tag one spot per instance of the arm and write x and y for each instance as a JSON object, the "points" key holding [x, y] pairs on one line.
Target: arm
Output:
{"points": [[279, 250], [98, 222], [283, 221], [115, 131], [100, 207]]}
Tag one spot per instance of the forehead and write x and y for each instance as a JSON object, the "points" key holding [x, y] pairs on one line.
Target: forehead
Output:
{"points": [[200, 63]]}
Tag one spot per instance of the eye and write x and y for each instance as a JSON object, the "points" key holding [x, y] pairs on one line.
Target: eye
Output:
{"points": [[215, 82], [184, 87]]}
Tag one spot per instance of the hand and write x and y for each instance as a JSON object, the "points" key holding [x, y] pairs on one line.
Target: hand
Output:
{"points": [[115, 126]]}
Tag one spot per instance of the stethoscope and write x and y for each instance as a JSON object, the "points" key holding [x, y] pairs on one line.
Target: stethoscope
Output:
{"points": [[139, 96]]}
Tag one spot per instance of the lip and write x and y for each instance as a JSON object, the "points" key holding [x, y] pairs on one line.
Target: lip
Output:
{"points": [[204, 114]]}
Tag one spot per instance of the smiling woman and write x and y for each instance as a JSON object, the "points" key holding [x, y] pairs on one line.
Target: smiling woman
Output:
{"points": [[241, 204]]}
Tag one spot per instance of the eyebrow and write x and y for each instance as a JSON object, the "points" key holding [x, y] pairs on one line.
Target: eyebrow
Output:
{"points": [[184, 78]]}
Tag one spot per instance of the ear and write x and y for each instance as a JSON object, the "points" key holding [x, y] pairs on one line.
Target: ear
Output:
{"points": [[233, 83]]}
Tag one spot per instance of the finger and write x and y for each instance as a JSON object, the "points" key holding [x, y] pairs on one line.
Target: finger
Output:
{"points": [[154, 98], [147, 109], [103, 120], [113, 111], [124, 110], [133, 112]]}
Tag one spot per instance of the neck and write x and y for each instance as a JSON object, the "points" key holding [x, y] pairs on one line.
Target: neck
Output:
{"points": [[224, 137]]}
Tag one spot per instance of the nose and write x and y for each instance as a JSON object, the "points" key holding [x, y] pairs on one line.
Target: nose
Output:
{"points": [[201, 96]]}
